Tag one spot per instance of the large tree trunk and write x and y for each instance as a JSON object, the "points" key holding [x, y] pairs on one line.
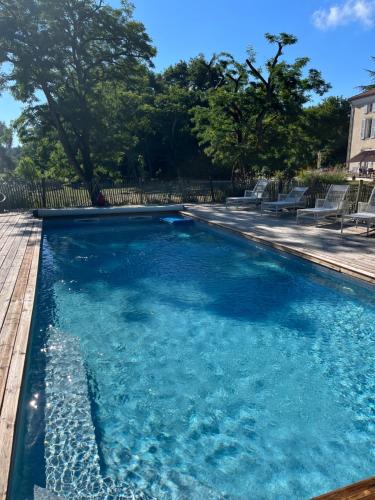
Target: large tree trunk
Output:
{"points": [[63, 136], [93, 190], [88, 171], [86, 174]]}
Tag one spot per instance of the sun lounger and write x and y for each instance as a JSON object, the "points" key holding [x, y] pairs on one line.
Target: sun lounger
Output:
{"points": [[250, 197], [332, 205], [292, 200], [366, 213]]}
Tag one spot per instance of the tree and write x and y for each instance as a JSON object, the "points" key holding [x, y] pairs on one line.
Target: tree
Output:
{"points": [[251, 109], [7, 162], [327, 127], [40, 147], [157, 115], [61, 56]]}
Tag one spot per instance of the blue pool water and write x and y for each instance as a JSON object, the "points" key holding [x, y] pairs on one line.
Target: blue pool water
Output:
{"points": [[178, 362]]}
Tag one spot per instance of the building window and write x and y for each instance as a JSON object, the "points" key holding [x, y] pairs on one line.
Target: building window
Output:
{"points": [[370, 108], [368, 128]]}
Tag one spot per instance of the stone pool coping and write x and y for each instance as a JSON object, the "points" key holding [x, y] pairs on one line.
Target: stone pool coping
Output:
{"points": [[95, 211]]}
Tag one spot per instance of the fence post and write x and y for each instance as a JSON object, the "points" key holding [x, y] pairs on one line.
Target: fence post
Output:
{"points": [[212, 190], [358, 198]]}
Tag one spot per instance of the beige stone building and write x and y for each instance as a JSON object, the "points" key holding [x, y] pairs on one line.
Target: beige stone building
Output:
{"points": [[361, 145]]}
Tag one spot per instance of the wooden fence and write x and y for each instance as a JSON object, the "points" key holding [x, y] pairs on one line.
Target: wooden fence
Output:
{"points": [[56, 194]]}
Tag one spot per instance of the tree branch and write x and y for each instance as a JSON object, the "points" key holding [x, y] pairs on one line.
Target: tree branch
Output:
{"points": [[277, 56], [255, 72]]}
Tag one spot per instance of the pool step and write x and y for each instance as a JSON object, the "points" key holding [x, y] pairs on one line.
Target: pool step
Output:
{"points": [[71, 453]]}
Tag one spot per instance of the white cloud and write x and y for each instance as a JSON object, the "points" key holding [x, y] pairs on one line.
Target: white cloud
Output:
{"points": [[361, 11]]}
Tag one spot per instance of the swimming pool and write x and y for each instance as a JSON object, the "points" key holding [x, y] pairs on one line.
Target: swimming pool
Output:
{"points": [[179, 362]]}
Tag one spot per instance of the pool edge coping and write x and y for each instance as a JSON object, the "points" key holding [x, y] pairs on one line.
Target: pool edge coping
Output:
{"points": [[46, 213]]}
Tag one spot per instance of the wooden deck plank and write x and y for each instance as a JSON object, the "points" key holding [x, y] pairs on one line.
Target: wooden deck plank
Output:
{"points": [[362, 490], [7, 240], [4, 226], [12, 260], [10, 239], [12, 317], [9, 273], [20, 269]]}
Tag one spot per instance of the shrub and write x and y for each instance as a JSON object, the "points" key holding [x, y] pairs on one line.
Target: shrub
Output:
{"points": [[312, 177]]}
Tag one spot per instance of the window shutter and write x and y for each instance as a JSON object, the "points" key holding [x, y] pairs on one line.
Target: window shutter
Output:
{"points": [[367, 108], [372, 133], [363, 128]]}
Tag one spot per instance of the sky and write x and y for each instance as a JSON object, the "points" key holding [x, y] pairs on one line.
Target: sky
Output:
{"points": [[337, 35]]}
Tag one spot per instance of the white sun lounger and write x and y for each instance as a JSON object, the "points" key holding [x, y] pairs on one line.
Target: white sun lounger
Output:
{"points": [[332, 205], [292, 200], [366, 213], [250, 197]]}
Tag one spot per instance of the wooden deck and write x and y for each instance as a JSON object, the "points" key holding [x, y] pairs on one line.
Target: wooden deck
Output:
{"points": [[363, 490], [352, 254], [19, 257]]}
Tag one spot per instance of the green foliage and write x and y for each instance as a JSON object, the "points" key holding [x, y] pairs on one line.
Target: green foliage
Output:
{"points": [[312, 177], [326, 128], [42, 153], [27, 169], [250, 118], [160, 121], [7, 160]]}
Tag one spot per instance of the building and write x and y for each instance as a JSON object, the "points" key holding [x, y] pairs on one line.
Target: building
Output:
{"points": [[361, 145]]}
